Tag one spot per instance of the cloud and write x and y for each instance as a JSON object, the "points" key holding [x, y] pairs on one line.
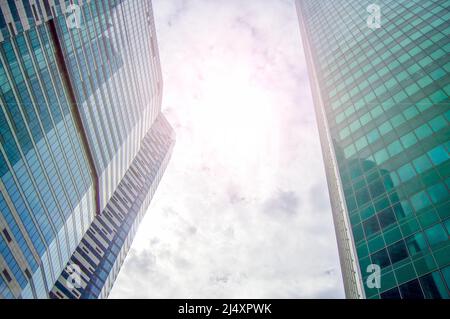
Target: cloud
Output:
{"points": [[286, 202], [233, 216], [143, 261]]}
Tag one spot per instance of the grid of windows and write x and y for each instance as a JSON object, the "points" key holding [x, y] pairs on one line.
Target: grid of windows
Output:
{"points": [[76, 102], [114, 74], [103, 248], [386, 97], [43, 167]]}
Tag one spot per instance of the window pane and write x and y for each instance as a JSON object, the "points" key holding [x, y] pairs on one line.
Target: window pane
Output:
{"points": [[446, 273], [433, 286], [381, 258], [391, 294], [411, 290], [397, 251], [416, 243], [386, 217], [371, 226], [436, 234]]}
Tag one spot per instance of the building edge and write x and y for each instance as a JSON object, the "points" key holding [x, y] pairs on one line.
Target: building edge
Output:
{"points": [[351, 272]]}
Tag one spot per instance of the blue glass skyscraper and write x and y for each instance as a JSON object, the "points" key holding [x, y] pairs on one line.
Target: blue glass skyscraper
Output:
{"points": [[80, 126]]}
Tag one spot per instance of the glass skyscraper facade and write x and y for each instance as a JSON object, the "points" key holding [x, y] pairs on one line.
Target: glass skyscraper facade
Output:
{"points": [[381, 96], [83, 142], [107, 241]]}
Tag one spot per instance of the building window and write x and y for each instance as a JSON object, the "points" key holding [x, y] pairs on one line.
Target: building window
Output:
{"points": [[6, 275], [7, 236]]}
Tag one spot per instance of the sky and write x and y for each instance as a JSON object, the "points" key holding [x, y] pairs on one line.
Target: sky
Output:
{"points": [[242, 210]]}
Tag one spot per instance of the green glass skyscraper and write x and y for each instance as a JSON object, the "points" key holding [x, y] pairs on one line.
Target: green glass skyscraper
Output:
{"points": [[379, 74]]}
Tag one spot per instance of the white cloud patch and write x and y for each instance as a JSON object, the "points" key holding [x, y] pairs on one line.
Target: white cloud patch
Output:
{"points": [[235, 214]]}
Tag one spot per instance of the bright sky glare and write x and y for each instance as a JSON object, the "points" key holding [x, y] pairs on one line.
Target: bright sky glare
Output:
{"points": [[242, 210]]}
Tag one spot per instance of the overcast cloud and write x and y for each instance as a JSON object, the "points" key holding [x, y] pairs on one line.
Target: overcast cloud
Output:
{"points": [[242, 210]]}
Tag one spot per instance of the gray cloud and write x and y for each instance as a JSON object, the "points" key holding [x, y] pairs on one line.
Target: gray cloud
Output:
{"points": [[286, 202], [141, 262]]}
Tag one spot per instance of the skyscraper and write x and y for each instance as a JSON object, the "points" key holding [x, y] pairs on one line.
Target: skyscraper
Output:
{"points": [[98, 257], [379, 74], [83, 142]]}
